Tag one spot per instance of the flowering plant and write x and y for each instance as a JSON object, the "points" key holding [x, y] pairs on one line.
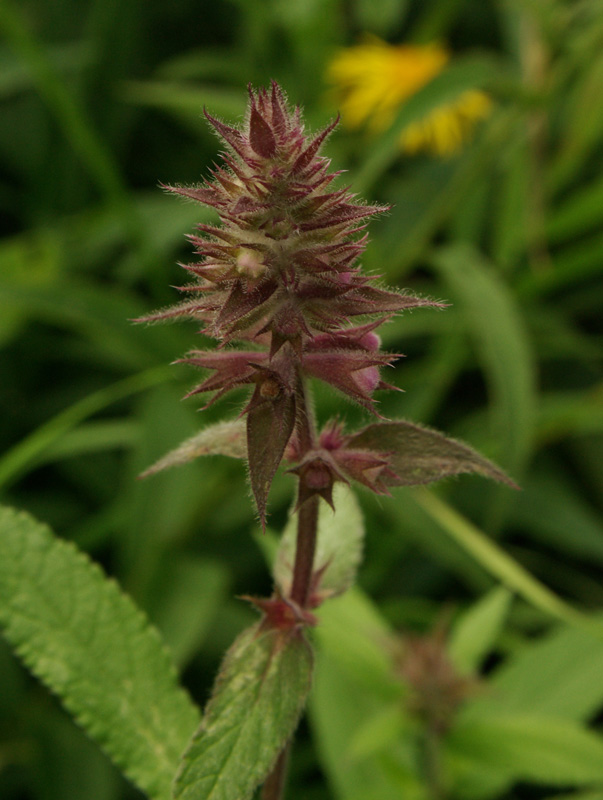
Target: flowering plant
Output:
{"points": [[277, 283]]}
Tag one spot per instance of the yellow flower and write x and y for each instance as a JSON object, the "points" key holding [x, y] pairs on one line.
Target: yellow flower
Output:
{"points": [[373, 79]]}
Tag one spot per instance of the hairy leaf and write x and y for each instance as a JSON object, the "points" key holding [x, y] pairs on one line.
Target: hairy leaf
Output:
{"points": [[224, 439], [420, 455], [91, 646], [338, 548], [258, 697]]}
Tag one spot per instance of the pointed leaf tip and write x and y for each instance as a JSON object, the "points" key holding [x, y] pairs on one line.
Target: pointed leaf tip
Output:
{"points": [[420, 455]]}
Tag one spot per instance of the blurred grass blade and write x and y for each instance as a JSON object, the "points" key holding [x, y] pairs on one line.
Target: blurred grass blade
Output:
{"points": [[474, 634], [492, 558], [24, 455], [93, 647], [72, 119], [497, 328]]}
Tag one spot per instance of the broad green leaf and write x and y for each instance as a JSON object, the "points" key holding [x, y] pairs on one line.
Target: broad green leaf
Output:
{"points": [[355, 690], [353, 632], [476, 631], [531, 748], [223, 438], [494, 559], [380, 731], [91, 646], [258, 698], [420, 455], [559, 676], [338, 548], [495, 324]]}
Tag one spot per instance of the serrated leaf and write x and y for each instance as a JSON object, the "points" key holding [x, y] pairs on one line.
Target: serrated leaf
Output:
{"points": [[474, 634], [421, 455], [89, 643], [338, 547], [223, 439], [259, 695], [543, 749]]}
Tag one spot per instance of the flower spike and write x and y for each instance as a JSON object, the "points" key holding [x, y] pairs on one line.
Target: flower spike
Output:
{"points": [[280, 272]]}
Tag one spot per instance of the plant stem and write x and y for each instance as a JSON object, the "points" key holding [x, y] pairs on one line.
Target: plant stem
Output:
{"points": [[307, 525], [274, 784], [307, 520]]}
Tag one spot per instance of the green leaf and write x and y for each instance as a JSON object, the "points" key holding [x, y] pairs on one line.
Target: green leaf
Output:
{"points": [[560, 675], [356, 691], [223, 438], [420, 455], [531, 748], [258, 698], [91, 646], [475, 632], [338, 547]]}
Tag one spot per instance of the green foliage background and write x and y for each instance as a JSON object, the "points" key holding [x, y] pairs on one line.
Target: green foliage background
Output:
{"points": [[100, 101]]}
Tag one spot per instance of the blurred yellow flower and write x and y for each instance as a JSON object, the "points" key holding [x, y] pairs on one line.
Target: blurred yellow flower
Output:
{"points": [[373, 79]]}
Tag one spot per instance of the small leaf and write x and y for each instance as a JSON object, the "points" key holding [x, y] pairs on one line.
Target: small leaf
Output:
{"points": [[269, 427], [338, 548], [91, 646], [258, 698], [420, 455], [224, 439], [475, 632]]}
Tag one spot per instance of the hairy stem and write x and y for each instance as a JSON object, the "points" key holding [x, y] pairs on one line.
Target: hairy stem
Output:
{"points": [[307, 525], [307, 520], [274, 785]]}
